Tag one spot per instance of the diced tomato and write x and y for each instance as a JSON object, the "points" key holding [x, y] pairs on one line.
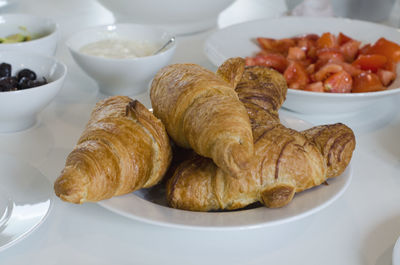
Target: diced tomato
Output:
{"points": [[340, 82], [276, 61], [367, 82], [329, 62], [296, 53], [342, 38], [352, 70], [350, 50], [370, 62], [391, 66], [364, 49], [327, 40], [310, 69], [296, 76], [385, 76], [387, 48], [312, 53], [312, 37], [278, 46], [305, 44], [326, 71], [330, 55], [315, 87]]}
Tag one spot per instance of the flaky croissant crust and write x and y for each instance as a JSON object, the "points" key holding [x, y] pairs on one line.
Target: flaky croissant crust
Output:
{"points": [[201, 111], [122, 148], [285, 161]]}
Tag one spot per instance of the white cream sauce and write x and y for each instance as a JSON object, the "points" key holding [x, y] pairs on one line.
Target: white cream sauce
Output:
{"points": [[119, 48]]}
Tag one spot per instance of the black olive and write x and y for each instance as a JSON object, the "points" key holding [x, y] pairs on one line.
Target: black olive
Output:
{"points": [[5, 70], [29, 74], [8, 83], [24, 83]]}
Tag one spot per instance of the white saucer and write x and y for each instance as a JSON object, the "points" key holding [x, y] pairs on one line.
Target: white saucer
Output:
{"points": [[25, 200]]}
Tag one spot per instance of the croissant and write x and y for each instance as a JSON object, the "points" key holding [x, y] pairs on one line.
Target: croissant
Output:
{"points": [[124, 147], [285, 161], [202, 111]]}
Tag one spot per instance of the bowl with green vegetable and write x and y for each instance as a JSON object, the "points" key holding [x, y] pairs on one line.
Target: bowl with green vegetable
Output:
{"points": [[28, 33]]}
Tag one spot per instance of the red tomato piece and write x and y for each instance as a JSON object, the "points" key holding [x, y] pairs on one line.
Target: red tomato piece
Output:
{"points": [[296, 76], [352, 70], [310, 69], [312, 37], [330, 55], [370, 62], [276, 61], [386, 48], [341, 82], [327, 40], [342, 38], [296, 53], [350, 50], [326, 71], [364, 49], [315, 87], [278, 46], [391, 66], [367, 82], [385, 76]]}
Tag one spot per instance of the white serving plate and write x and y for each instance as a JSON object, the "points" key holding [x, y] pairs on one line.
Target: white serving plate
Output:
{"points": [[149, 205], [26, 197], [396, 253], [238, 40]]}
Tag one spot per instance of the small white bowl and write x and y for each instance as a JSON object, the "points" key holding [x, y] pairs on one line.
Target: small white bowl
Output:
{"points": [[128, 76], [19, 109], [179, 16], [43, 30]]}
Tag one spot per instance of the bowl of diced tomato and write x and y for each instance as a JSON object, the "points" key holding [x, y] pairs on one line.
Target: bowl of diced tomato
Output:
{"points": [[331, 65]]}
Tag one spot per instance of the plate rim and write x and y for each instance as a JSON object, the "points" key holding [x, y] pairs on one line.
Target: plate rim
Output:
{"points": [[43, 218], [396, 253], [348, 174]]}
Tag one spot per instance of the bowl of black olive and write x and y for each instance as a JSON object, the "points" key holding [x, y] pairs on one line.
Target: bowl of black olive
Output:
{"points": [[28, 83]]}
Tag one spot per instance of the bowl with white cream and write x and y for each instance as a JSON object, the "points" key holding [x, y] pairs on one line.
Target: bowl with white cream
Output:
{"points": [[121, 58]]}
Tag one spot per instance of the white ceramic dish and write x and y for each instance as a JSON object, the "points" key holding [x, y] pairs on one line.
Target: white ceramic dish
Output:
{"points": [[43, 30], [121, 76], [396, 253], [19, 109], [6, 3], [150, 205], [238, 40], [26, 198], [178, 16]]}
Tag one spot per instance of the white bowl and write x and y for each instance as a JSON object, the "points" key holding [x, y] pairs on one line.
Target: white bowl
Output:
{"points": [[43, 30], [179, 16], [129, 76], [19, 109], [238, 40]]}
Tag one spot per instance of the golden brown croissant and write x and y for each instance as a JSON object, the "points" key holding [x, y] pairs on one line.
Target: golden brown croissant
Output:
{"points": [[202, 111], [124, 147], [285, 161]]}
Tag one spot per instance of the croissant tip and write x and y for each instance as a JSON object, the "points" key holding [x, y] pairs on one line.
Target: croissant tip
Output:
{"points": [[67, 191], [278, 195]]}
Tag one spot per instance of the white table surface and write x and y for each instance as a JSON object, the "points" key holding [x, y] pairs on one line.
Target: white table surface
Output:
{"points": [[359, 228]]}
